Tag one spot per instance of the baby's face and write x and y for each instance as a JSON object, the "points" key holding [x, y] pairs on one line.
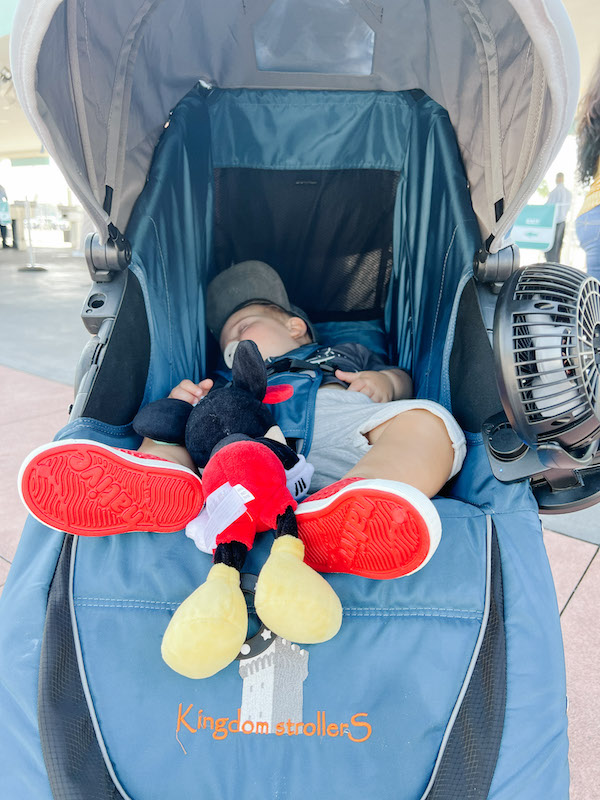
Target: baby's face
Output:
{"points": [[272, 336]]}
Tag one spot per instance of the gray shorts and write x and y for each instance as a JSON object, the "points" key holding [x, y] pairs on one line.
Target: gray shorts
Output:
{"points": [[342, 420]]}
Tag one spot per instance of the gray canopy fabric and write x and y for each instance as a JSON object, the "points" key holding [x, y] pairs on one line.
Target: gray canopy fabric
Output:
{"points": [[98, 79]]}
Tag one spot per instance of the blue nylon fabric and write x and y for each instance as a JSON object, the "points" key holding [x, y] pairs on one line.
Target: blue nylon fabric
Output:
{"points": [[296, 416], [400, 658], [533, 754], [435, 233], [369, 333], [22, 616], [310, 129], [170, 238], [435, 239]]}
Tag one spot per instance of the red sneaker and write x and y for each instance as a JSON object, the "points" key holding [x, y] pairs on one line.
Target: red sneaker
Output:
{"points": [[374, 528], [92, 489]]}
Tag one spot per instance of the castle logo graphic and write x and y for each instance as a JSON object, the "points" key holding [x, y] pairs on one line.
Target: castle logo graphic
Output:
{"points": [[272, 690], [273, 671]]}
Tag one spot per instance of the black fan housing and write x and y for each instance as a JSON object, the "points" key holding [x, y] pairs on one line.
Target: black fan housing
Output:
{"points": [[547, 350]]}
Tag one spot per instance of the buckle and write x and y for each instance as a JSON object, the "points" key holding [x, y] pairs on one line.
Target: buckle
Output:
{"points": [[291, 365]]}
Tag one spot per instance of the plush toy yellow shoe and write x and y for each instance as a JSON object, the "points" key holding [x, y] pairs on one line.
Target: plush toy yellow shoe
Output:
{"points": [[209, 628], [293, 600]]}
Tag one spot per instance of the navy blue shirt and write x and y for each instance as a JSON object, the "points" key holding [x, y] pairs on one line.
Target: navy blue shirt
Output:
{"points": [[349, 357]]}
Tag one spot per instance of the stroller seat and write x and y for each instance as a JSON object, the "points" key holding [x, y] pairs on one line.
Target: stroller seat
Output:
{"points": [[431, 689]]}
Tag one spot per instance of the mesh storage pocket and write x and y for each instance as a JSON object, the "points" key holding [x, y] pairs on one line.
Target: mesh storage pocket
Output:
{"points": [[467, 765], [328, 233], [74, 762]]}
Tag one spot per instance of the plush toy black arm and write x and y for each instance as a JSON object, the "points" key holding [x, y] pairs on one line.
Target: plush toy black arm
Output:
{"points": [[164, 420], [283, 452]]}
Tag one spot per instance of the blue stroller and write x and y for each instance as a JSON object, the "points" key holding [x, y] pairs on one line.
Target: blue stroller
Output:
{"points": [[377, 155]]}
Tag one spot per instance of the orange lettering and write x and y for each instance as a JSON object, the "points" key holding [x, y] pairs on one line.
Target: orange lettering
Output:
{"points": [[262, 727], [280, 729], [220, 731], [354, 721], [247, 722], [181, 719], [312, 727], [344, 725], [211, 723], [236, 723], [332, 729]]}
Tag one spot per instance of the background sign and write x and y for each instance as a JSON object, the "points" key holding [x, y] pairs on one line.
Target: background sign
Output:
{"points": [[535, 227]]}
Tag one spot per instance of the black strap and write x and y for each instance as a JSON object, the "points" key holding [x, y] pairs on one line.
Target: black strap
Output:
{"points": [[299, 365]]}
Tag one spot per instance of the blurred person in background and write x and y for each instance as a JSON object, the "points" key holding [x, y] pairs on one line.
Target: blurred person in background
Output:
{"points": [[560, 197], [4, 216], [587, 224]]}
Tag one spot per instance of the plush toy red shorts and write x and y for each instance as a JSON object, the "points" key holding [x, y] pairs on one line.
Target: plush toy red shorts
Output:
{"points": [[258, 476]]}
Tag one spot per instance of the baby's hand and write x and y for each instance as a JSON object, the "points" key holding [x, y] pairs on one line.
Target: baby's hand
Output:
{"points": [[376, 385], [191, 392]]}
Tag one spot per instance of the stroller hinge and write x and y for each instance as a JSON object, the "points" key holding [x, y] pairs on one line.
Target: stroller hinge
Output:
{"points": [[104, 260], [496, 267]]}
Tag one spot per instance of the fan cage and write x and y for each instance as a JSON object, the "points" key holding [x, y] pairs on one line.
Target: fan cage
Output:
{"points": [[555, 338]]}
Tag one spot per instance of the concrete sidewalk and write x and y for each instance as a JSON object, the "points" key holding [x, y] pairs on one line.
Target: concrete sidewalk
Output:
{"points": [[41, 331]]}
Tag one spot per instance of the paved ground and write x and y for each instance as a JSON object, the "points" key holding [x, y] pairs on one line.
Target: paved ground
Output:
{"points": [[41, 331], [41, 337]]}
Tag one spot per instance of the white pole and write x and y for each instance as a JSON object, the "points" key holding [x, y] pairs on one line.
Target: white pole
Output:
{"points": [[32, 266], [28, 217]]}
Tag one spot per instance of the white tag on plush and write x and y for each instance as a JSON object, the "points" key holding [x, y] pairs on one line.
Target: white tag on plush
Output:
{"points": [[244, 493], [223, 507]]}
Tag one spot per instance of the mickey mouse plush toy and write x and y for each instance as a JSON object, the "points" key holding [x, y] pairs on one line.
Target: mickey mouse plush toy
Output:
{"points": [[247, 476]]}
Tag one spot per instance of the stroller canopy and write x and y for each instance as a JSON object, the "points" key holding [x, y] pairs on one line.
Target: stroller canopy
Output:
{"points": [[98, 80]]}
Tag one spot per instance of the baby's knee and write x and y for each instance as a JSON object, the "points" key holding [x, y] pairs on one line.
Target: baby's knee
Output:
{"points": [[434, 432], [422, 423]]}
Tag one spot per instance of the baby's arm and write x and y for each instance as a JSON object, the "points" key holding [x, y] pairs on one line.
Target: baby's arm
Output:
{"points": [[380, 385], [192, 393]]}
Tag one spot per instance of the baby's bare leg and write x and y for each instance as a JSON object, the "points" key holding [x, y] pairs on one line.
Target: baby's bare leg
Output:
{"points": [[169, 452], [412, 448]]}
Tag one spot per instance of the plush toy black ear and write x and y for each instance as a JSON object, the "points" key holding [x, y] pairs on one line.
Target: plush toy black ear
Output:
{"points": [[249, 371], [163, 420]]}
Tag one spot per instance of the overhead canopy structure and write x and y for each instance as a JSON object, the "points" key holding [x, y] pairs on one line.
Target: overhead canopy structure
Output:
{"points": [[17, 139], [97, 80]]}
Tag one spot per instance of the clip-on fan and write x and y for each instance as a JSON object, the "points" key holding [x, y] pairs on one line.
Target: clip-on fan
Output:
{"points": [[547, 351]]}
